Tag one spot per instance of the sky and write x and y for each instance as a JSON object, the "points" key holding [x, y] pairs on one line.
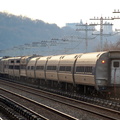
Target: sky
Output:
{"points": [[61, 12]]}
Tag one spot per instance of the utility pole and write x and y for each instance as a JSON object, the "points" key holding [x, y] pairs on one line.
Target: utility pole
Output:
{"points": [[101, 28], [116, 11], [86, 29]]}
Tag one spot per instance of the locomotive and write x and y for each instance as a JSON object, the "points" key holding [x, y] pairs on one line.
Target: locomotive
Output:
{"points": [[87, 73]]}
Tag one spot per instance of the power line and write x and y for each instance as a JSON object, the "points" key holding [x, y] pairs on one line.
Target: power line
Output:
{"points": [[101, 19], [116, 18], [86, 29]]}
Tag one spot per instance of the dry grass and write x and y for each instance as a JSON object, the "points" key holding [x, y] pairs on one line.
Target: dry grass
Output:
{"points": [[109, 46]]}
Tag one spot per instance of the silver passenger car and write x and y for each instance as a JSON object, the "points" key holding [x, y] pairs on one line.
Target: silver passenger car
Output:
{"points": [[108, 69], [23, 65], [11, 67], [31, 67], [6, 67], [1, 66], [52, 68], [17, 67], [84, 69], [98, 69], [41, 67], [14, 67], [66, 68]]}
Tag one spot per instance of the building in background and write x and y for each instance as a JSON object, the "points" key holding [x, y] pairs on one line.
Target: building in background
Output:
{"points": [[74, 25], [107, 29]]}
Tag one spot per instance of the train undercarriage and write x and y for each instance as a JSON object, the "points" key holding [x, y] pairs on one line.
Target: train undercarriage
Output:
{"points": [[111, 92]]}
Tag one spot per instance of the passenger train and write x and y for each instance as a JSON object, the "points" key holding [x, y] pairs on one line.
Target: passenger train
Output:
{"points": [[87, 73]]}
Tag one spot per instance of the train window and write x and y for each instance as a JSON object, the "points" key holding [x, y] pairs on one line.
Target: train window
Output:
{"points": [[84, 69], [23, 67], [65, 68], [88, 69], [51, 67], [80, 69], [18, 61], [48, 67], [32, 67], [116, 64], [17, 67], [28, 67], [5, 66], [68, 68], [62, 68], [12, 61], [39, 67], [11, 67]]}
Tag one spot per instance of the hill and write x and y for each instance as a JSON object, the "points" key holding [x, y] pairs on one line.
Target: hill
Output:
{"points": [[22, 36], [16, 30]]}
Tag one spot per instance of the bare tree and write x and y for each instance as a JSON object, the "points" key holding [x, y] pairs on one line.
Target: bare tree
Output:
{"points": [[109, 46]]}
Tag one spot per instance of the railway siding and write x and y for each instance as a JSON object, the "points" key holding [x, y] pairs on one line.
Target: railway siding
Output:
{"points": [[39, 108], [56, 105]]}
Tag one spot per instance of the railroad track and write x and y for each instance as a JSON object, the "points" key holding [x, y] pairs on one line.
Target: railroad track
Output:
{"points": [[16, 111], [102, 112], [39, 108]]}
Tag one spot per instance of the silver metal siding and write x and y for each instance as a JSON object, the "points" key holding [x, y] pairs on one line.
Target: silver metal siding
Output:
{"points": [[101, 72]]}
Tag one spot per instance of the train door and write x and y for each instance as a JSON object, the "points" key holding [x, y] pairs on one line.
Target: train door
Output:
{"points": [[115, 72]]}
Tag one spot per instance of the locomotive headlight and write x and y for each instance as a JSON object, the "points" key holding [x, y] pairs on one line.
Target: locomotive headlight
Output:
{"points": [[103, 61]]}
